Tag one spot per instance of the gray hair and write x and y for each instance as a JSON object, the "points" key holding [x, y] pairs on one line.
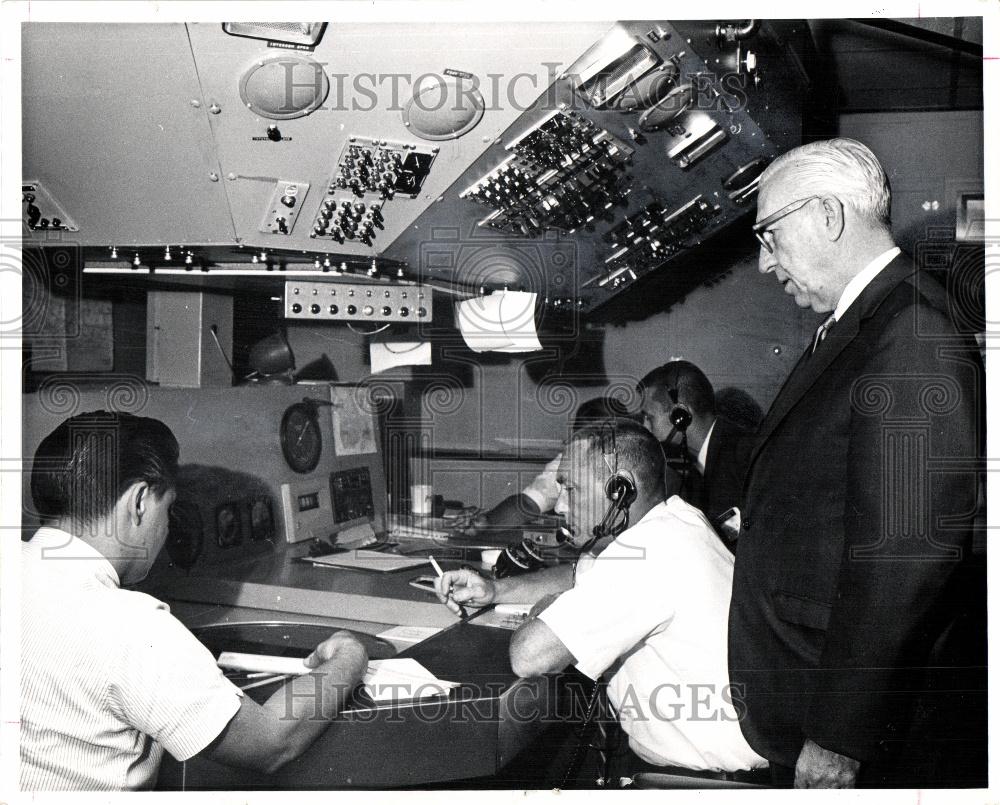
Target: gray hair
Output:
{"points": [[841, 166]]}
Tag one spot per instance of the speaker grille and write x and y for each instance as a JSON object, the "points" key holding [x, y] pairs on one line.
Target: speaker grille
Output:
{"points": [[292, 33], [443, 109]]}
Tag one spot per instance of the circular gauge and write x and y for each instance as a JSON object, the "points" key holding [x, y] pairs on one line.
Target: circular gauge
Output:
{"points": [[301, 441]]}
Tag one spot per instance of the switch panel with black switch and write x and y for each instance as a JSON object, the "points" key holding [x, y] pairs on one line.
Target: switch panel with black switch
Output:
{"points": [[283, 207]]}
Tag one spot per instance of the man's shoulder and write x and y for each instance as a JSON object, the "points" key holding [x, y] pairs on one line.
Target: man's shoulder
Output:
{"points": [[673, 526]]}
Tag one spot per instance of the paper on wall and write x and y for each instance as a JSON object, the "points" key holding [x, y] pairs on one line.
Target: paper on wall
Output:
{"points": [[353, 428], [399, 353], [500, 322]]}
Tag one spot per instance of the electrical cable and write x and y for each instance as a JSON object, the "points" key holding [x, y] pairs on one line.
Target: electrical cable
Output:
{"points": [[403, 351], [214, 330], [353, 329]]}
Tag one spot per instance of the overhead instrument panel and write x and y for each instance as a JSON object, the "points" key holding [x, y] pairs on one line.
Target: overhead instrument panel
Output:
{"points": [[647, 145], [563, 172], [379, 120], [569, 159]]}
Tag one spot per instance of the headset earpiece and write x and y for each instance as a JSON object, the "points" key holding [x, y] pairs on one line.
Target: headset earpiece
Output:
{"points": [[680, 415], [620, 489]]}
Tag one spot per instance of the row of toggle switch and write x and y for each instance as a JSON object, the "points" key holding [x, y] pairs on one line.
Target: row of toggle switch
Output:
{"points": [[328, 300]]}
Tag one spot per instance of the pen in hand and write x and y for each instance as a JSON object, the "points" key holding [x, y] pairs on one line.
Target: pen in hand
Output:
{"points": [[437, 569]]}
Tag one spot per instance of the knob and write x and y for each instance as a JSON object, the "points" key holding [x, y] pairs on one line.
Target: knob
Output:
{"points": [[404, 312], [333, 310], [351, 310], [273, 134], [319, 229], [386, 311], [368, 310], [288, 201], [282, 223], [422, 312], [314, 309], [296, 308]]}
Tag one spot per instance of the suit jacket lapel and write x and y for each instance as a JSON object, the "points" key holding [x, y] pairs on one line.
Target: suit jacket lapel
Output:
{"points": [[810, 366]]}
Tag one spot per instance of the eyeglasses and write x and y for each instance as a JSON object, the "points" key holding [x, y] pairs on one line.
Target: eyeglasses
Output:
{"points": [[760, 228]]}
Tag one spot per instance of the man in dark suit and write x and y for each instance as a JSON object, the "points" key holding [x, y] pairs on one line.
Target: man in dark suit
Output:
{"points": [[677, 400], [855, 589]]}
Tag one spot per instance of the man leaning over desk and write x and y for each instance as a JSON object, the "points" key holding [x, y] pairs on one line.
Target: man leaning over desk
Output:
{"points": [[109, 678], [650, 603]]}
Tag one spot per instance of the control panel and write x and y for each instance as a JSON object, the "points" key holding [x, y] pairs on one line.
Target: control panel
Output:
{"points": [[342, 217], [283, 207], [351, 493], [649, 237], [564, 172], [368, 174], [382, 168], [41, 211], [306, 510], [240, 521], [342, 301]]}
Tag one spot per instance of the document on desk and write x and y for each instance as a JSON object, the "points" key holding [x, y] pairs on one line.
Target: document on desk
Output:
{"points": [[368, 560], [504, 616], [400, 679], [395, 679]]}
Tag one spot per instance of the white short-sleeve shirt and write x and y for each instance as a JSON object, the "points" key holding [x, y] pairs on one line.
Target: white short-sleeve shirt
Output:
{"points": [[109, 678], [654, 606]]}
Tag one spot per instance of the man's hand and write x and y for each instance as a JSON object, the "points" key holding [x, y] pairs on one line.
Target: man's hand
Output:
{"points": [[346, 649], [464, 587], [820, 768], [468, 521]]}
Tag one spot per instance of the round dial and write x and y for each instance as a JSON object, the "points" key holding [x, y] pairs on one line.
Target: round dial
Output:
{"points": [[301, 441]]}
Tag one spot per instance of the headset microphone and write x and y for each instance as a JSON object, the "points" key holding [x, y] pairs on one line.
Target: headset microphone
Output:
{"points": [[621, 491]]}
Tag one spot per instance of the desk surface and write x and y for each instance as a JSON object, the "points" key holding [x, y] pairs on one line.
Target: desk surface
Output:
{"points": [[474, 732]]}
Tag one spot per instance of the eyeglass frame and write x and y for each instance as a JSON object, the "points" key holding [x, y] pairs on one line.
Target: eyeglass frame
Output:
{"points": [[760, 228]]}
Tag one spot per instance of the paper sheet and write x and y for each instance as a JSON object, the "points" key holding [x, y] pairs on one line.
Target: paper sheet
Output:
{"points": [[397, 679], [504, 616], [385, 680], [500, 322], [405, 636], [353, 428], [399, 353], [368, 560]]}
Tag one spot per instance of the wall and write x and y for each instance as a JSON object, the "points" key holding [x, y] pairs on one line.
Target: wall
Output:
{"points": [[742, 331], [229, 441], [929, 157]]}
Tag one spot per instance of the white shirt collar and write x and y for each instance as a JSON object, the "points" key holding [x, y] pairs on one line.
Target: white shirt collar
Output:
{"points": [[861, 280], [54, 544], [699, 462]]}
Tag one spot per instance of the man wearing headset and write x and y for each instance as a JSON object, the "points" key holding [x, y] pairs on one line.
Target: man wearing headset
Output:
{"points": [[650, 608], [678, 403]]}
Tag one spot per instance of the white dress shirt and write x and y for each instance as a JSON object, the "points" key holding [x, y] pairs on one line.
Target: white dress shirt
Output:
{"points": [[109, 678]]}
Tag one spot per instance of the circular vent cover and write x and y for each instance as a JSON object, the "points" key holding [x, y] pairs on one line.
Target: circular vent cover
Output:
{"points": [[648, 90], [284, 87], [443, 109], [676, 102]]}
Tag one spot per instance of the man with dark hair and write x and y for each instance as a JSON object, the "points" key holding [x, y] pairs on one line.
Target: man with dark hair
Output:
{"points": [[855, 580], [677, 398], [650, 602], [539, 497], [109, 678]]}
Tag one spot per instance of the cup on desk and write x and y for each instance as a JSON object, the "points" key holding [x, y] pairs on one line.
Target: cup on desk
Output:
{"points": [[421, 499]]}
